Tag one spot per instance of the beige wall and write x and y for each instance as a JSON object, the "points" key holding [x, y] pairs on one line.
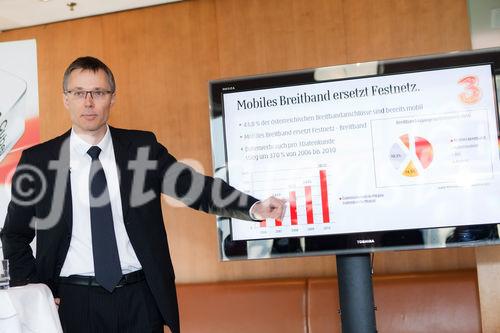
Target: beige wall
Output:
{"points": [[164, 56]]}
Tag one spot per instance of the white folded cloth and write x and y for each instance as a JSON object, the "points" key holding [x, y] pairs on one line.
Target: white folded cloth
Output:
{"points": [[33, 307], [9, 320]]}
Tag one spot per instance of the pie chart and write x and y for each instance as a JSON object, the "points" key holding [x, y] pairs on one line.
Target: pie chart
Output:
{"points": [[411, 155]]}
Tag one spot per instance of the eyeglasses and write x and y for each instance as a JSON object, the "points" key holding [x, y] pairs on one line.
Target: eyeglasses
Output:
{"points": [[94, 94]]}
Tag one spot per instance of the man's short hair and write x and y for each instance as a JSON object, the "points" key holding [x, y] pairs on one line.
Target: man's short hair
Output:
{"points": [[89, 64]]}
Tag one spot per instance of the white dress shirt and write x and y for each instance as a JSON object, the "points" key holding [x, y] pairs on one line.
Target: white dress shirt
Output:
{"points": [[80, 259]]}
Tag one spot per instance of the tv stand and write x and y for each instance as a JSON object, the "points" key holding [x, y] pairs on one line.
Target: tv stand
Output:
{"points": [[357, 309]]}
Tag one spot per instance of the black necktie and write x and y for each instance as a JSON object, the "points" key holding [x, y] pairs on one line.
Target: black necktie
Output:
{"points": [[106, 260]]}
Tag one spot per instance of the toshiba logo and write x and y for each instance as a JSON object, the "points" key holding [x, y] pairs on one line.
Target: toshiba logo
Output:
{"points": [[365, 241]]}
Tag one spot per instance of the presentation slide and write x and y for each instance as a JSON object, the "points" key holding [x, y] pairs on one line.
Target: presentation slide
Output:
{"points": [[403, 151]]}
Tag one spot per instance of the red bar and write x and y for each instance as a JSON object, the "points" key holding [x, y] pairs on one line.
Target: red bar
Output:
{"points": [[324, 196], [277, 223], [293, 208], [263, 223], [309, 206]]}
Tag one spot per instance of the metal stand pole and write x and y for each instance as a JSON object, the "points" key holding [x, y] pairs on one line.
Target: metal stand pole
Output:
{"points": [[357, 310]]}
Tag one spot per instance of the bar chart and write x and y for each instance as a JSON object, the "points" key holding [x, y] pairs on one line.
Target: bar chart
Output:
{"points": [[308, 192]]}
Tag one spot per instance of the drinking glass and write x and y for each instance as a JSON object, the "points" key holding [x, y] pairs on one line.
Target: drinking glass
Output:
{"points": [[4, 274]]}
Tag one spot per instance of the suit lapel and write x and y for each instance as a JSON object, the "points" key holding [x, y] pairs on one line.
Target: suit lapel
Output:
{"points": [[60, 152], [122, 157]]}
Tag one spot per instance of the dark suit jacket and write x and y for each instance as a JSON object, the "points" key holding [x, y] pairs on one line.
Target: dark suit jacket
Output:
{"points": [[49, 201]]}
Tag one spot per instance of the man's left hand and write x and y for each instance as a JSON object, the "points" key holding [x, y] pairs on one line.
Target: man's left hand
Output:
{"points": [[271, 208]]}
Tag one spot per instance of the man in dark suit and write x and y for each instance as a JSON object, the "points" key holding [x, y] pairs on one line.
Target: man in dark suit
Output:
{"points": [[92, 196]]}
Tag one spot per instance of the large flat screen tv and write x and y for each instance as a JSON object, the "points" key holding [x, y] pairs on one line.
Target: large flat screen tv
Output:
{"points": [[395, 154]]}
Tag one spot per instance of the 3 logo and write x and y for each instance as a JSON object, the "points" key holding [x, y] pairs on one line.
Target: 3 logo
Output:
{"points": [[472, 92]]}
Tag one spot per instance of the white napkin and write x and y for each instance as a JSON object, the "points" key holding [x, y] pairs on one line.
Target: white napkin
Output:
{"points": [[7, 309], [9, 321], [36, 308]]}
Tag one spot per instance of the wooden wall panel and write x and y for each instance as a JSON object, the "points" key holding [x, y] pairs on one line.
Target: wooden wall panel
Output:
{"points": [[488, 268], [398, 28], [164, 56], [260, 36]]}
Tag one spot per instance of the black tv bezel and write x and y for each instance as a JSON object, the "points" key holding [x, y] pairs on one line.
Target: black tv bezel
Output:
{"points": [[366, 241]]}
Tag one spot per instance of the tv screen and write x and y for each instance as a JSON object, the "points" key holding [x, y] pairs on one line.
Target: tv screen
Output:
{"points": [[391, 154]]}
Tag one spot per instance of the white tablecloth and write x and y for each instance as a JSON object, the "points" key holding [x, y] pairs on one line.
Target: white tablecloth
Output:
{"points": [[28, 308]]}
